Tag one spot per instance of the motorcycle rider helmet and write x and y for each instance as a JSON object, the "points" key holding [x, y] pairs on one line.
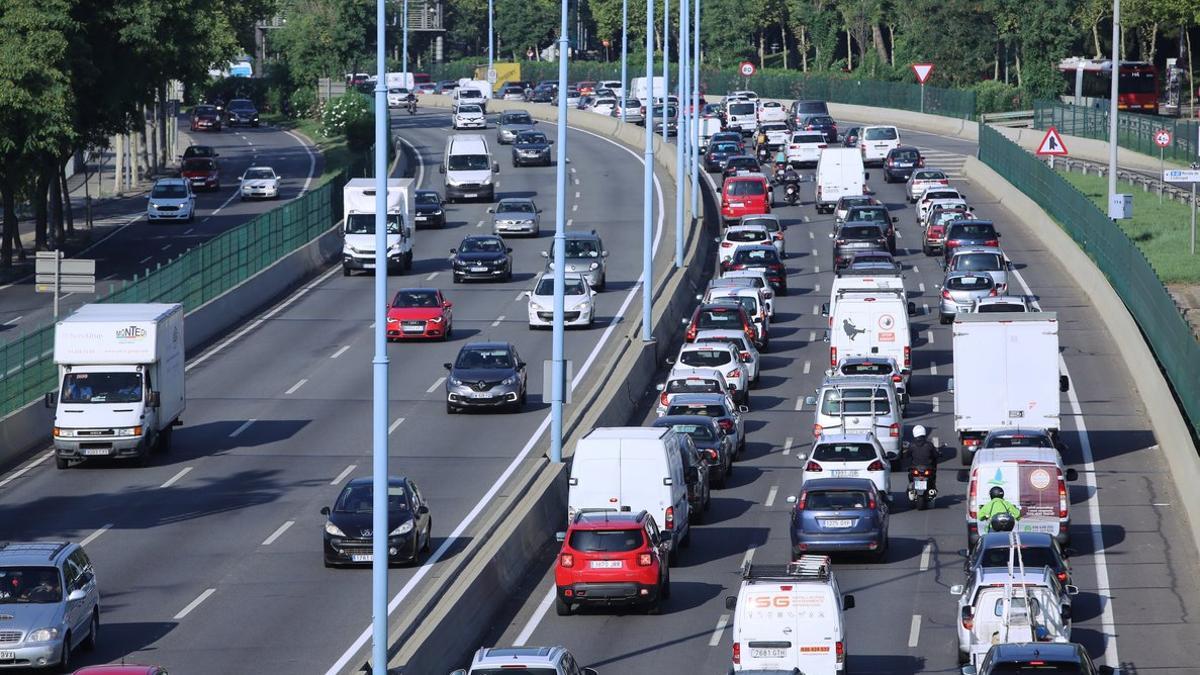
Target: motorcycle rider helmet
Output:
{"points": [[919, 431], [1002, 522], [996, 492]]}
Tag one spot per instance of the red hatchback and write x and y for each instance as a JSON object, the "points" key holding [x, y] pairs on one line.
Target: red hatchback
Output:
{"points": [[202, 172], [417, 313], [744, 196], [612, 558]]}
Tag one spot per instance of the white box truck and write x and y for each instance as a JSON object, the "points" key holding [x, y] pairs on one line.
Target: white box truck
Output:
{"points": [[120, 381], [1006, 375], [641, 88], [399, 81], [358, 225]]}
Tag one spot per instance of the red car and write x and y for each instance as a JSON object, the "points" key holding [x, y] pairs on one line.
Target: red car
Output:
{"points": [[727, 315], [417, 313], [744, 196], [612, 558], [202, 172], [206, 118]]}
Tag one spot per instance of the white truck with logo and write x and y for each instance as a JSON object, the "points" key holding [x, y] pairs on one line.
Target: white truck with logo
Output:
{"points": [[120, 381], [358, 225], [871, 322]]}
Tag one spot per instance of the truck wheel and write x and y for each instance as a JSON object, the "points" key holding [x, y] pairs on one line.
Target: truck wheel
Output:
{"points": [[345, 271], [62, 463], [143, 458], [164, 440]]}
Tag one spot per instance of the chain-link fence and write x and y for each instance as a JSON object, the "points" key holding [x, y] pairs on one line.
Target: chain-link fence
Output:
{"points": [[1134, 132], [1127, 269]]}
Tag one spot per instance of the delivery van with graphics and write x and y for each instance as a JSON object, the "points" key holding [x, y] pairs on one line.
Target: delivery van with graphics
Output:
{"points": [[1033, 479]]}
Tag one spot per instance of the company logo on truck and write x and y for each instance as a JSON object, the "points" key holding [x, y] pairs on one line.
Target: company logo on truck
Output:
{"points": [[130, 333]]}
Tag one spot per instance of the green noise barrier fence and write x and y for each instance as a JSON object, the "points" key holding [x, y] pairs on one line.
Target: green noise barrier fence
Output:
{"points": [[1127, 269], [27, 365], [1134, 132]]}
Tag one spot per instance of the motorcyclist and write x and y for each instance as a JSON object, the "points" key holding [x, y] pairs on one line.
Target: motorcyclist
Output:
{"points": [[997, 504], [923, 453], [411, 101]]}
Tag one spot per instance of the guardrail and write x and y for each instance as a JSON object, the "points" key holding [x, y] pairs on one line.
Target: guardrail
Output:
{"points": [[1127, 269], [1019, 118], [1134, 132]]}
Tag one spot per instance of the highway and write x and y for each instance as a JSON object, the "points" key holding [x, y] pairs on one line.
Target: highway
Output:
{"points": [[126, 245], [209, 560], [1131, 538]]}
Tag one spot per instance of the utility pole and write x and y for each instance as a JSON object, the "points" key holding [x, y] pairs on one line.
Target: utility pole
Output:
{"points": [[1112, 108], [648, 184], [558, 348]]}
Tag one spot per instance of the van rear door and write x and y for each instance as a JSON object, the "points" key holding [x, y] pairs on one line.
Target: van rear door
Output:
{"points": [[1040, 484], [766, 628], [596, 480], [641, 480]]}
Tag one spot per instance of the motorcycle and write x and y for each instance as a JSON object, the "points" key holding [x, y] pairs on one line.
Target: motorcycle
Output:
{"points": [[792, 193], [763, 154], [920, 486], [412, 107]]}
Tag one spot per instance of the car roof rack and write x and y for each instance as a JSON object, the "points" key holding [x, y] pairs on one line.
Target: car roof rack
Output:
{"points": [[894, 270], [811, 567], [53, 547]]}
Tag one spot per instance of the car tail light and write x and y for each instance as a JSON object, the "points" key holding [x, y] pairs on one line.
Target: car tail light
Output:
{"points": [[921, 163], [943, 181], [712, 455], [821, 146], [907, 362], [840, 649], [813, 467], [994, 292], [972, 491], [1062, 498], [877, 465], [645, 560], [669, 519], [968, 622], [1062, 577], [992, 242], [891, 162], [726, 244], [803, 502], [833, 356], [566, 560], [839, 242], [779, 235], [737, 653], [897, 377], [946, 293], [726, 425], [691, 332], [736, 372], [951, 243], [971, 442], [663, 398]]}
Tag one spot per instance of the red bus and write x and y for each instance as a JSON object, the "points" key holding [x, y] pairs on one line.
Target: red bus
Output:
{"points": [[1090, 82]]}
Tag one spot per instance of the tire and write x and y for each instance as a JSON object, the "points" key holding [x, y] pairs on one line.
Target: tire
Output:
{"points": [[686, 542], [665, 591], [428, 536], [926, 250], [654, 608], [64, 660], [562, 607], [164, 440], [62, 463], [881, 555], [922, 502], [143, 459], [345, 271], [963, 657], [93, 632], [945, 320], [416, 551]]}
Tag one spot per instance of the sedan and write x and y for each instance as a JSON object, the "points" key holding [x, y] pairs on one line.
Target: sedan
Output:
{"points": [[481, 257], [923, 179], [486, 375], [516, 215], [241, 111], [719, 153], [428, 208], [579, 309], [348, 536], [202, 172], [417, 313], [259, 182], [716, 447], [839, 514], [513, 122], [959, 292], [531, 147]]}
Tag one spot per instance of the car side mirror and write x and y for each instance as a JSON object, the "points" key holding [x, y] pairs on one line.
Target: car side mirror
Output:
{"points": [[324, 510], [508, 250], [866, 176], [453, 251], [831, 235], [730, 601], [685, 321], [447, 304], [491, 210], [1072, 475], [791, 499], [1064, 383], [590, 671], [668, 481], [521, 365], [825, 308], [1072, 589], [76, 595], [810, 400], [912, 309], [546, 254], [51, 399], [895, 219], [1069, 552], [441, 168], [460, 671], [969, 670], [495, 167], [848, 602], [153, 399], [957, 589], [527, 294], [592, 291], [447, 366]]}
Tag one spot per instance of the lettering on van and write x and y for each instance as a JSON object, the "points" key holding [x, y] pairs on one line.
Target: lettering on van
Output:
{"points": [[852, 331], [130, 333]]}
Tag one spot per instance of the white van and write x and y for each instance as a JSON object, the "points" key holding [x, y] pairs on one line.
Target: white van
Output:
{"points": [[865, 280], [1033, 479], [741, 115], [633, 469], [473, 91], [876, 142], [707, 127], [839, 174], [859, 404], [469, 168], [871, 323], [788, 618]]}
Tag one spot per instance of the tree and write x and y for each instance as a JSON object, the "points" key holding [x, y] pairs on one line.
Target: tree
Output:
{"points": [[521, 24]]}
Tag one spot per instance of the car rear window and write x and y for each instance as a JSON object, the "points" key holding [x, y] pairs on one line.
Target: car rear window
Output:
{"points": [[1001, 307], [836, 500], [977, 262], [708, 410], [741, 188], [810, 138], [857, 401], [909, 155], [705, 358], [605, 541], [972, 283], [1033, 557], [875, 214], [975, 230], [720, 319], [725, 147], [746, 235], [880, 134], [1040, 667], [929, 175], [866, 369], [844, 452], [741, 109], [859, 200], [941, 194], [1024, 441], [693, 386], [756, 256], [860, 232], [811, 107]]}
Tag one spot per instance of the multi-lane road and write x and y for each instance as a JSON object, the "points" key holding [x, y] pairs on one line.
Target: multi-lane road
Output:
{"points": [[126, 244], [1133, 547]]}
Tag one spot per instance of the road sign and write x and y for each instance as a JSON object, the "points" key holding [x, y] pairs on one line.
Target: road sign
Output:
{"points": [[53, 274], [1181, 176], [491, 76], [1052, 144], [746, 69], [922, 70], [1162, 138]]}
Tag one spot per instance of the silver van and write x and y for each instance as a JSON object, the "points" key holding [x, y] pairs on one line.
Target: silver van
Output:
{"points": [[49, 603]]}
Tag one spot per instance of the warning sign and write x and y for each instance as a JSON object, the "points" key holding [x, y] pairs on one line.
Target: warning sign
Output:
{"points": [[1052, 144]]}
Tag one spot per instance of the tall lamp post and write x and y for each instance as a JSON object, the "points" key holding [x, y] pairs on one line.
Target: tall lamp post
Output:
{"points": [[648, 182], [491, 43], [695, 82], [666, 62], [558, 370], [1112, 108], [404, 49], [624, 56], [681, 134]]}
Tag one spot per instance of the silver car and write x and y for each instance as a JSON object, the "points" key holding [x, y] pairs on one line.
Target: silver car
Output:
{"points": [[633, 110], [731, 420], [515, 215], [49, 604], [989, 260], [486, 376], [585, 255], [960, 290], [513, 122]]}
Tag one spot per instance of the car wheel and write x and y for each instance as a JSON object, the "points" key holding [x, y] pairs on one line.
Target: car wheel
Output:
{"points": [[93, 632], [963, 657], [881, 554], [345, 271], [665, 591], [926, 250], [654, 607], [415, 558], [944, 319], [164, 440], [61, 462], [561, 607], [64, 660], [603, 283], [686, 542], [329, 565], [428, 536]]}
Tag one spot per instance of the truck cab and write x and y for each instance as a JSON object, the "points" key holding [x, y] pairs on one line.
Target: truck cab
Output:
{"points": [[358, 225]]}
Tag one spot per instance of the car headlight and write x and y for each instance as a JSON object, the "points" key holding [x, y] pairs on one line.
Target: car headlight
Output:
{"points": [[536, 307], [594, 266], [436, 319], [436, 212], [333, 530], [403, 529], [510, 380], [65, 433], [456, 382], [42, 635]]}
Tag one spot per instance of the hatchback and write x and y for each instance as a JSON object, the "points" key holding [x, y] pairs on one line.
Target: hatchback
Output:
{"points": [[821, 123], [1037, 658], [612, 558], [932, 194], [900, 163], [481, 257], [844, 204], [923, 179], [721, 357], [756, 278], [1003, 303], [348, 536], [988, 260], [729, 419], [719, 153], [849, 455], [171, 199], [970, 232], [486, 375], [511, 123], [741, 165], [839, 514], [428, 208], [202, 172], [738, 235], [584, 254], [876, 213], [206, 118], [763, 257], [747, 350], [775, 228], [417, 313], [689, 381], [719, 316], [959, 292], [578, 307]]}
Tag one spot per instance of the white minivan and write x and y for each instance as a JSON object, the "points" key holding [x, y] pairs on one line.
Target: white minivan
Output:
{"points": [[876, 142], [469, 168], [788, 618], [839, 174], [633, 469]]}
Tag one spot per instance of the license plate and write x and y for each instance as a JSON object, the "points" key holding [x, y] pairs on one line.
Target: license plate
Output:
{"points": [[844, 473], [362, 558], [470, 195], [478, 269], [422, 217], [758, 653], [839, 522], [368, 266], [8, 656], [414, 329], [480, 394], [737, 204], [920, 484], [96, 452], [606, 564]]}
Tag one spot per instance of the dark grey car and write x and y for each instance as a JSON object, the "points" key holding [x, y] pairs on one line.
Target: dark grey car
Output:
{"points": [[513, 122], [584, 254], [486, 375], [852, 238]]}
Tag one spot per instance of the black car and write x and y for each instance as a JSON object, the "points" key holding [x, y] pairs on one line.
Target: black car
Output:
{"points": [[1058, 658], [241, 112], [543, 93], [486, 375], [851, 238], [850, 138], [719, 153], [200, 151], [740, 163], [481, 257], [763, 257], [821, 123], [429, 209], [1038, 549], [714, 445], [348, 535], [731, 136], [900, 163], [875, 214], [531, 147], [971, 232]]}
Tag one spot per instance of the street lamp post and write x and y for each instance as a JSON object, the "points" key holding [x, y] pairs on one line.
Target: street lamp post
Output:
{"points": [[491, 42], [666, 63], [681, 134], [404, 49], [1112, 108], [557, 375], [648, 182], [695, 82], [624, 56]]}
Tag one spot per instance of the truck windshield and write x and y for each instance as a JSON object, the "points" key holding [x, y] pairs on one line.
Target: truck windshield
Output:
{"points": [[364, 223], [469, 163], [102, 388]]}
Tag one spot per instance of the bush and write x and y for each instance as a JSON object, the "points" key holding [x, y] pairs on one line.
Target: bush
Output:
{"points": [[304, 102], [343, 112], [995, 96]]}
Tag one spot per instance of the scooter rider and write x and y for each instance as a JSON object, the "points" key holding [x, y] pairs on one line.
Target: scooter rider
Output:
{"points": [[998, 504], [411, 102], [923, 453]]}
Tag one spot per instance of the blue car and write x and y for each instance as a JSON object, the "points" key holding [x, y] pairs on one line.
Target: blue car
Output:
{"points": [[837, 515]]}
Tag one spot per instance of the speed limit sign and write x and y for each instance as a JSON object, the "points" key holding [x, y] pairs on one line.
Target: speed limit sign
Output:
{"points": [[746, 69], [1162, 138]]}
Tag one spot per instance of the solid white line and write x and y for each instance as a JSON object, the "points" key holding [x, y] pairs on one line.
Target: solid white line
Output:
{"points": [[436, 383], [398, 422], [175, 479], [420, 160], [27, 468], [295, 387], [10, 322], [771, 496], [935, 404], [342, 476], [926, 550], [497, 321], [93, 536], [914, 632], [339, 352], [787, 445], [807, 366], [718, 631], [312, 161], [532, 624], [275, 535], [244, 426], [431, 276], [194, 604]]}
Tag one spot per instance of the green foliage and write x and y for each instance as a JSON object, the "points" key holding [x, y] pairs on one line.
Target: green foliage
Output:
{"points": [[350, 115], [521, 24], [996, 96]]}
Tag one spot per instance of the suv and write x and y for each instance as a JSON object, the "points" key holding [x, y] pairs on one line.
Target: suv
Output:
{"points": [[612, 558], [541, 660], [1037, 657], [50, 602], [852, 237]]}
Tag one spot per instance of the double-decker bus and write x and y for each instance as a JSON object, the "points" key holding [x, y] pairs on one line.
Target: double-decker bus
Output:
{"points": [[1090, 82]]}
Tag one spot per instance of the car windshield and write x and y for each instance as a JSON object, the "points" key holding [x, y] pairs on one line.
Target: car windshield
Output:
{"points": [[929, 175], [481, 245], [743, 163], [605, 541], [972, 283], [198, 164], [30, 586], [531, 137], [364, 223], [978, 262], [705, 409], [259, 174], [1033, 557], [427, 198], [860, 232], [102, 388], [571, 286], [582, 248], [470, 163], [755, 256], [198, 151], [240, 104], [867, 368], [856, 401], [880, 134], [469, 93], [741, 108], [1038, 667], [746, 235], [810, 107], [515, 207], [169, 191], [485, 358], [849, 202], [909, 155], [416, 299], [516, 118], [975, 230], [705, 358], [693, 385], [698, 432], [205, 110], [820, 121], [720, 319], [844, 452], [358, 499], [513, 90], [836, 500], [517, 670], [873, 214], [470, 108]]}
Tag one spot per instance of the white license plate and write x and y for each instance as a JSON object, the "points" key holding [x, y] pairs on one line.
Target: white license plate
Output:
{"points": [[737, 204], [837, 522], [414, 329], [8, 656], [606, 564], [368, 266], [757, 653], [96, 452], [422, 217], [478, 269], [471, 195], [362, 558], [844, 473], [480, 394], [920, 484]]}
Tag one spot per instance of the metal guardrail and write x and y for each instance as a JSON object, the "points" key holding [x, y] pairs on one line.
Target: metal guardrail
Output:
{"points": [[1134, 132], [1019, 118]]}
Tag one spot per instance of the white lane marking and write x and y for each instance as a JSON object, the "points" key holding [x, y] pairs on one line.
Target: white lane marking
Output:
{"points": [[815, 252], [817, 269], [570, 222], [27, 468], [165, 247], [436, 383], [787, 445], [749, 557], [312, 162], [771, 496], [431, 276], [577, 181], [394, 425], [574, 207], [1160, 504], [535, 619], [921, 286], [914, 631], [145, 260], [244, 426], [95, 535], [175, 479], [936, 443], [497, 321], [13, 321], [572, 169], [800, 402], [926, 550], [420, 160], [278, 532], [520, 295], [718, 631], [933, 369], [339, 352], [935, 404], [807, 366], [930, 337], [577, 194], [817, 288], [189, 230], [925, 307], [296, 387], [342, 476], [812, 336], [816, 310], [194, 604], [810, 234], [806, 220], [916, 270], [479, 224]]}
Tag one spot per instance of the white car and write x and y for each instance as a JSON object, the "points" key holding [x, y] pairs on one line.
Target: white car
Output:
{"points": [[752, 302], [740, 235], [259, 182], [774, 227], [614, 85], [772, 111], [171, 199], [397, 97], [923, 179], [469, 116], [933, 194], [778, 134], [804, 148], [684, 380], [578, 305], [722, 356], [744, 93], [604, 106], [752, 277], [748, 352], [876, 142], [853, 455]]}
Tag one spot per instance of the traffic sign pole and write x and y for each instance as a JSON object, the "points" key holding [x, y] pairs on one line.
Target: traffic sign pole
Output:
{"points": [[922, 98], [1162, 138]]}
